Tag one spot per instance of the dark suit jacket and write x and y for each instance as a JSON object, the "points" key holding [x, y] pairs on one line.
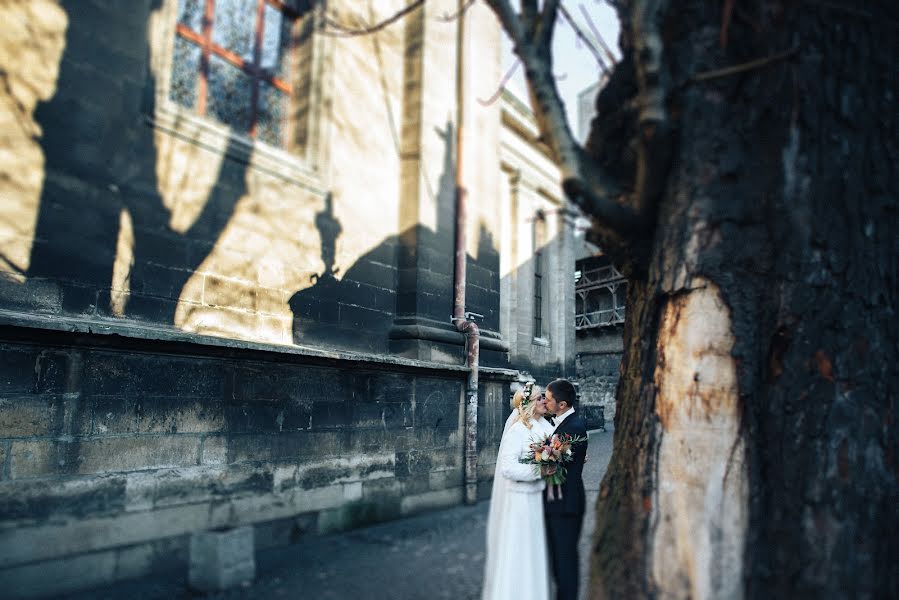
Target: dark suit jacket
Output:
{"points": [[573, 497]]}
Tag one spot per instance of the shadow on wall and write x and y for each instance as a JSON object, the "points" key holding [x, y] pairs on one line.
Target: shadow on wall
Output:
{"points": [[103, 232], [31, 47], [408, 273], [106, 241]]}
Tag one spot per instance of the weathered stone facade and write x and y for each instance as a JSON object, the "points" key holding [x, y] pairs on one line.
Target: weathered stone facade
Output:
{"points": [[199, 330], [116, 450], [599, 321], [599, 345], [598, 360]]}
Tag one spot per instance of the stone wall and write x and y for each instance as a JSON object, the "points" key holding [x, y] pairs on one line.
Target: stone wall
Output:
{"points": [[598, 358], [114, 450]]}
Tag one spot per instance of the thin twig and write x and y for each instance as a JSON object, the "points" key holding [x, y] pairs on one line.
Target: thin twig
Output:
{"points": [[598, 36], [747, 66], [505, 79], [345, 31], [502, 84], [449, 18], [580, 34]]}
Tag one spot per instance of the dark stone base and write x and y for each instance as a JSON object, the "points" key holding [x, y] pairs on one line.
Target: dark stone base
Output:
{"points": [[161, 438]]}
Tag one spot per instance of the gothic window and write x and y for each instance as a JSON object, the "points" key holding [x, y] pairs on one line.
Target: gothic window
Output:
{"points": [[232, 63]]}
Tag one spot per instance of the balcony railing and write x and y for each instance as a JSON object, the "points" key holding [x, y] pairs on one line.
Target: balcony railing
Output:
{"points": [[599, 318], [592, 285]]}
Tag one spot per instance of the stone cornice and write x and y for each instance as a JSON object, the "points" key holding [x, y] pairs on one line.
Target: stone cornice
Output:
{"points": [[30, 327]]}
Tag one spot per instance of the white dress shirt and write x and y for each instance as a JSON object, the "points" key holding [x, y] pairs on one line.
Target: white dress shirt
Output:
{"points": [[558, 420]]}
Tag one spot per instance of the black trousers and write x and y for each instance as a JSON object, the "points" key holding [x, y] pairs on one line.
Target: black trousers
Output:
{"points": [[562, 535]]}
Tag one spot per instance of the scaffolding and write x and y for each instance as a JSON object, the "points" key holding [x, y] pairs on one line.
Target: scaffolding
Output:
{"points": [[597, 298]]}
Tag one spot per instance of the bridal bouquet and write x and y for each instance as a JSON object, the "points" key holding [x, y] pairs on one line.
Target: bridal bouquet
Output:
{"points": [[551, 455]]}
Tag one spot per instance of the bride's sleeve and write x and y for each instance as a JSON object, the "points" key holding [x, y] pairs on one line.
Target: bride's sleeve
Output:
{"points": [[514, 450]]}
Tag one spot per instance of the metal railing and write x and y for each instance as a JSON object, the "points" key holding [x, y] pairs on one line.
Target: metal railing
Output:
{"points": [[603, 281], [599, 318]]}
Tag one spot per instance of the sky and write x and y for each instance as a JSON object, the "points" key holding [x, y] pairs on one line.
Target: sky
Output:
{"points": [[574, 64]]}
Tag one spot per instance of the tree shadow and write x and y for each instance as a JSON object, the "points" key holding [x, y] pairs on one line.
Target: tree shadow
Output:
{"points": [[409, 274], [105, 239], [100, 195]]}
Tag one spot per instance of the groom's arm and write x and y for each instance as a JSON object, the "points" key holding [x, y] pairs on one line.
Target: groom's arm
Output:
{"points": [[580, 450]]}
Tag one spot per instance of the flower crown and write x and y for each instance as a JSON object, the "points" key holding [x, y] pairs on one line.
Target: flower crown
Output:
{"points": [[526, 393]]}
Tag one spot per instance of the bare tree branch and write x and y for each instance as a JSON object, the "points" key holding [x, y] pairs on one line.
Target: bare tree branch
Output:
{"points": [[743, 67], [346, 31], [609, 54], [502, 84], [580, 35], [584, 182], [448, 18], [547, 24], [508, 19], [529, 16]]}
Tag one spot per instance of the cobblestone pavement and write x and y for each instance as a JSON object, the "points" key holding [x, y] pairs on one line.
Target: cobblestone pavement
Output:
{"points": [[435, 555]]}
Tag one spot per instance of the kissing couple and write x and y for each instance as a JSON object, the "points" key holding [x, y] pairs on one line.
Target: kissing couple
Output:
{"points": [[533, 527]]}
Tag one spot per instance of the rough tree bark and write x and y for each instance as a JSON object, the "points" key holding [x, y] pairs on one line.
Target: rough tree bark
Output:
{"points": [[750, 152]]}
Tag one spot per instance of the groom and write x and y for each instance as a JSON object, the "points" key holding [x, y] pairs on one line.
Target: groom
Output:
{"points": [[565, 516]]}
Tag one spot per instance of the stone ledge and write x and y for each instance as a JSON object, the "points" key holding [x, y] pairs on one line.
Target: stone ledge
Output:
{"points": [[53, 541], [121, 331], [112, 328]]}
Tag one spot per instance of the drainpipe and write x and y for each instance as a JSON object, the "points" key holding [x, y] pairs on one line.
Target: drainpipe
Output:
{"points": [[460, 317]]}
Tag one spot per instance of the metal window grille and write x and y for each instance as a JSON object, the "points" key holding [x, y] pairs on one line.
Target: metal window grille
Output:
{"points": [[538, 294], [539, 235], [231, 62]]}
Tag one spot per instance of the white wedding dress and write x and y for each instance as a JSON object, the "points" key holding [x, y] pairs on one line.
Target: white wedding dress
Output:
{"points": [[517, 565]]}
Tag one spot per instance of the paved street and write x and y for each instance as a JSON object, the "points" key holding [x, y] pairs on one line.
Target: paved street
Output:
{"points": [[436, 555]]}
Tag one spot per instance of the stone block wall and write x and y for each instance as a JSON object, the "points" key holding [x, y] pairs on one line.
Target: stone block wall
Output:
{"points": [[597, 365], [114, 451]]}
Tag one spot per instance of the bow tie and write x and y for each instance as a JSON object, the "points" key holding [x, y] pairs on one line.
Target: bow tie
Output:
{"points": [[551, 421]]}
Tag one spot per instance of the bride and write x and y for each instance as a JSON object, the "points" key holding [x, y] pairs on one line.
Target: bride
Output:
{"points": [[517, 566]]}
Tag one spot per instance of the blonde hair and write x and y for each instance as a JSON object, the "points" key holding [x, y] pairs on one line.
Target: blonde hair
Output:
{"points": [[526, 414]]}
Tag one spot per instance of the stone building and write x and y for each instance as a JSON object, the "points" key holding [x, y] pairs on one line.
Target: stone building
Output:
{"points": [[600, 294], [226, 273]]}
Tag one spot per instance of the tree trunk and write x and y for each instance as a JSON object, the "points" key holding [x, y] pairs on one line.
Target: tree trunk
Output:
{"points": [[755, 446]]}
